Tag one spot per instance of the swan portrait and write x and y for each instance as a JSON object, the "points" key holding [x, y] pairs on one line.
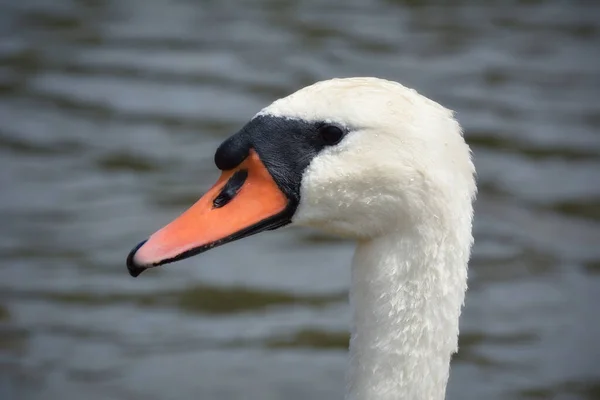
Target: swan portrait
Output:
{"points": [[369, 160]]}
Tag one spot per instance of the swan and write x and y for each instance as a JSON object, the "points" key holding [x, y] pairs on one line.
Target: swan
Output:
{"points": [[367, 159]]}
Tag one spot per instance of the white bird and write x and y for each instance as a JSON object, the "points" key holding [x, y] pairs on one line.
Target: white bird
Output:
{"points": [[366, 159]]}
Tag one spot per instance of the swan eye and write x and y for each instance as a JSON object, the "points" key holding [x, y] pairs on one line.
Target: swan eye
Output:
{"points": [[331, 134]]}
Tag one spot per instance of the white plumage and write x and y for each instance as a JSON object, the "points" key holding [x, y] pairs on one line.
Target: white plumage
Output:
{"points": [[402, 184]]}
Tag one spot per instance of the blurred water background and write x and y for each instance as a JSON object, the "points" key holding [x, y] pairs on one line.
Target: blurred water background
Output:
{"points": [[110, 111]]}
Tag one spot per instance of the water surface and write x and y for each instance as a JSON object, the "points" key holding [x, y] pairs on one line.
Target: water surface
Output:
{"points": [[110, 112]]}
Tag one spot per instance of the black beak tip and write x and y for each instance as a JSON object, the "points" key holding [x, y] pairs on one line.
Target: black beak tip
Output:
{"points": [[134, 269]]}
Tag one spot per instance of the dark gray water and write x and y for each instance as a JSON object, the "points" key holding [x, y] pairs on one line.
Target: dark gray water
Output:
{"points": [[110, 112]]}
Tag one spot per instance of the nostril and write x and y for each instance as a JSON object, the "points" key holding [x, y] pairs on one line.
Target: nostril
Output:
{"points": [[231, 188]]}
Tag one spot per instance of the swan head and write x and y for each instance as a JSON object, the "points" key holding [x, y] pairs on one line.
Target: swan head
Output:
{"points": [[356, 157]]}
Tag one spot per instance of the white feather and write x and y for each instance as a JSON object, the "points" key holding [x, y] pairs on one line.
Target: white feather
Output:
{"points": [[402, 184]]}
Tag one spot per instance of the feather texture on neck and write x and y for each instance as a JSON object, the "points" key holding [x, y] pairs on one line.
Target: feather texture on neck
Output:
{"points": [[407, 292]]}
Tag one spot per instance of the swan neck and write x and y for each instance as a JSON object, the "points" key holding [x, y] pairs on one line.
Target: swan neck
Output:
{"points": [[407, 292]]}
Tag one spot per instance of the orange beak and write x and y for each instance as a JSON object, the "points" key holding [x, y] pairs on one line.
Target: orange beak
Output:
{"points": [[244, 201]]}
